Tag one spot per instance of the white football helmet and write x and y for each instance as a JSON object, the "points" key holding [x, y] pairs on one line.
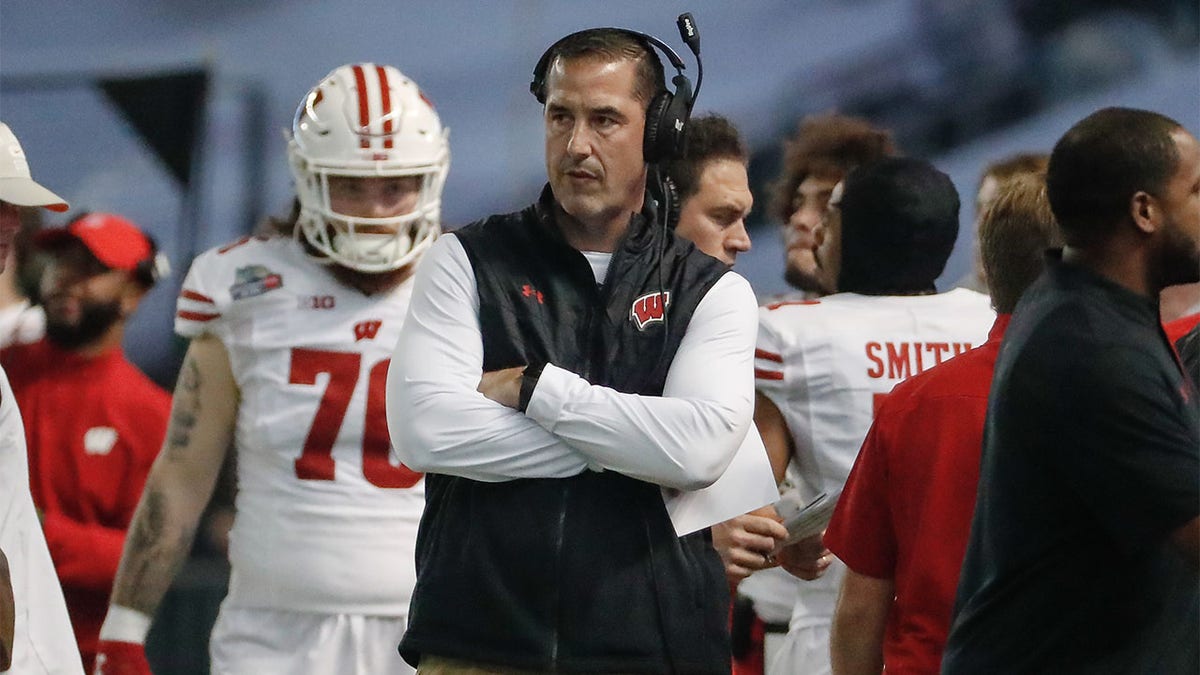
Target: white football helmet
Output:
{"points": [[365, 120]]}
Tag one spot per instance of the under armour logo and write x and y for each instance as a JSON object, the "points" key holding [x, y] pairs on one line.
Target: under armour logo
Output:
{"points": [[531, 292]]}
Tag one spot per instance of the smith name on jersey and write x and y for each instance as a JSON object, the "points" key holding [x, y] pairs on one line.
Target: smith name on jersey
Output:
{"points": [[326, 516]]}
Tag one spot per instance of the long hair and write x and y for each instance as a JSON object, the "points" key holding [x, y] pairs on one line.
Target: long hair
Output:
{"points": [[827, 146]]}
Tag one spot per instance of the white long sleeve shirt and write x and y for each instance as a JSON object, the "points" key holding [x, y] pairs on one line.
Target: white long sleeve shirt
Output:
{"points": [[683, 439]]}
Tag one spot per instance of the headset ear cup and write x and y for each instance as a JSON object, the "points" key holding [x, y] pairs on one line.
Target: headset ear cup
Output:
{"points": [[672, 128], [667, 114], [653, 147], [537, 86]]}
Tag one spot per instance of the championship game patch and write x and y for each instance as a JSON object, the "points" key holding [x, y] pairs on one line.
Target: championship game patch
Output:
{"points": [[254, 280]]}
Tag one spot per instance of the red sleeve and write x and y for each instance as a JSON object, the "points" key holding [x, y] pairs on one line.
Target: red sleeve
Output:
{"points": [[85, 555], [861, 532]]}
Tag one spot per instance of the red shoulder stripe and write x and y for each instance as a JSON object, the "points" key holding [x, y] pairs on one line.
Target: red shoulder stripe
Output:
{"points": [[760, 374], [193, 295], [788, 303], [767, 356], [196, 316]]}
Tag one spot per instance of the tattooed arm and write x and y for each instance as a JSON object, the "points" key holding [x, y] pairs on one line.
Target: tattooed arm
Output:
{"points": [[178, 487]]}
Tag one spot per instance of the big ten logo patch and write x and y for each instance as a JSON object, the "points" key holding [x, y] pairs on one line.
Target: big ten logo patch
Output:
{"points": [[649, 308], [366, 330], [317, 302]]}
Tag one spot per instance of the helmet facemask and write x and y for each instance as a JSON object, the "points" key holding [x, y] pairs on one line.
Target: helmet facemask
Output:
{"points": [[364, 121]]}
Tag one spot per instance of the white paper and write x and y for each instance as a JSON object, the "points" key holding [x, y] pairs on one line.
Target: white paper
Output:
{"points": [[811, 519], [747, 484]]}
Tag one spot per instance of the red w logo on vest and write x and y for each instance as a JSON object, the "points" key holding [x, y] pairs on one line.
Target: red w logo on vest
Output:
{"points": [[649, 308], [366, 330]]}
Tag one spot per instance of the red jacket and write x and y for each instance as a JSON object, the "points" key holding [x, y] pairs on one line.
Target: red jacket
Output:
{"points": [[94, 427]]}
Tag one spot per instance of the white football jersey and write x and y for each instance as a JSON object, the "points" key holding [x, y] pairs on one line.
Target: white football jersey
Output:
{"points": [[326, 516], [827, 364]]}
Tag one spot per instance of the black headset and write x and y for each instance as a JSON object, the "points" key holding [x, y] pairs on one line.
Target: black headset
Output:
{"points": [[668, 112]]}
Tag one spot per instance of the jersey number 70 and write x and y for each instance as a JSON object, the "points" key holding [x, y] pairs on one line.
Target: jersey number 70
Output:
{"points": [[316, 461]]}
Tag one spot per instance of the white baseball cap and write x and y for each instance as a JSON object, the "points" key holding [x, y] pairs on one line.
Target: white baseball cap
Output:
{"points": [[16, 185]]}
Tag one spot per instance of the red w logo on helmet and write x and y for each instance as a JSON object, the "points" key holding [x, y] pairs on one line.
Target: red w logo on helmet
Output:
{"points": [[649, 308]]}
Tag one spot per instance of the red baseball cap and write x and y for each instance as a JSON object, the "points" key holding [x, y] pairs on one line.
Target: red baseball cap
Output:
{"points": [[115, 241]]}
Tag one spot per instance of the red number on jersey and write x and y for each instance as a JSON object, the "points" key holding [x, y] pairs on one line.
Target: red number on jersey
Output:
{"points": [[316, 461]]}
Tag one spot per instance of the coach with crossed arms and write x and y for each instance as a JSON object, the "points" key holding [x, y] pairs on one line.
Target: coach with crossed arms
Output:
{"points": [[548, 395]]}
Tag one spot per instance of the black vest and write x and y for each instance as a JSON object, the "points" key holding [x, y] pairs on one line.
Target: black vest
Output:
{"points": [[583, 574]]}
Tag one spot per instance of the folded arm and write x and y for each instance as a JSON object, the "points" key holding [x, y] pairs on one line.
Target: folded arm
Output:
{"points": [[438, 420], [685, 438], [443, 424]]}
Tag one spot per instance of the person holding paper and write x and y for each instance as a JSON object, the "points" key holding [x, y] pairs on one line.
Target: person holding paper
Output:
{"points": [[560, 366], [901, 524], [824, 365], [713, 190]]}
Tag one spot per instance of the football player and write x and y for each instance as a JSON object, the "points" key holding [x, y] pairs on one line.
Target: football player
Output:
{"points": [[822, 366], [290, 341]]}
